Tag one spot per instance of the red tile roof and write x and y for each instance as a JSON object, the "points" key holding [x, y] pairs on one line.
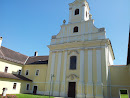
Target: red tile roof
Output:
{"points": [[16, 57], [13, 76], [11, 55], [37, 60]]}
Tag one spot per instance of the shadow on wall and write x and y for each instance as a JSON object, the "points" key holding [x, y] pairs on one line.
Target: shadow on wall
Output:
{"points": [[24, 81], [23, 88]]}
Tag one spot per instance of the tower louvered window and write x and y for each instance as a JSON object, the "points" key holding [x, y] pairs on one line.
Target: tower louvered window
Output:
{"points": [[75, 29], [76, 11]]}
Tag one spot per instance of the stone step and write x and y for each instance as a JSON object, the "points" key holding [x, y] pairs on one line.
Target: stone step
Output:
{"points": [[61, 97]]}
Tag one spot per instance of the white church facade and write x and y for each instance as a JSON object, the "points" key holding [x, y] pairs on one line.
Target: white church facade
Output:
{"points": [[79, 56]]}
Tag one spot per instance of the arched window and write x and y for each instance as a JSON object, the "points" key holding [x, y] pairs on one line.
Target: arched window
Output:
{"points": [[76, 11], [75, 29], [73, 60]]}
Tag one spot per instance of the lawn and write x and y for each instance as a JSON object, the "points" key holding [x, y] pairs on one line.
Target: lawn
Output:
{"points": [[31, 96], [25, 96], [40, 96], [124, 96]]}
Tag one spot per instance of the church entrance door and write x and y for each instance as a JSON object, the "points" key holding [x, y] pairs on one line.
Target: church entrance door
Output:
{"points": [[71, 89]]}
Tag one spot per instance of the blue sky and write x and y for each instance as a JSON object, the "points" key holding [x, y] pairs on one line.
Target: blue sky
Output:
{"points": [[27, 25]]}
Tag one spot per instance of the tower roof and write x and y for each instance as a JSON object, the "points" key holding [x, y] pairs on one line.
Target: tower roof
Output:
{"points": [[128, 57], [80, 2]]}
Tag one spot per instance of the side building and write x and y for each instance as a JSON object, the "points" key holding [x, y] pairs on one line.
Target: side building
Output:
{"points": [[20, 73], [36, 69], [119, 80]]}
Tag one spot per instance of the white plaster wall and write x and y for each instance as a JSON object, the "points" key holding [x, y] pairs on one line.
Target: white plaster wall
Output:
{"points": [[9, 86], [86, 31], [12, 68]]}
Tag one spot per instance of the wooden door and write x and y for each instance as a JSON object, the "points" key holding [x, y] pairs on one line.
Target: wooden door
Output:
{"points": [[71, 89], [35, 90]]}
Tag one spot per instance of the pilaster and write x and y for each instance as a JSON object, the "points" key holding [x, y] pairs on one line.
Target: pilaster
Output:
{"points": [[69, 33], [52, 70], [81, 81], [90, 76], [99, 87], [83, 12], [70, 14], [62, 93], [57, 83], [62, 35]]}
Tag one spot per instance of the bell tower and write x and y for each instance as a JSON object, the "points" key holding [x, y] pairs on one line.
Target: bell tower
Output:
{"points": [[78, 11]]}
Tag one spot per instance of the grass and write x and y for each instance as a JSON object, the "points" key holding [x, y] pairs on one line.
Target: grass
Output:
{"points": [[40, 96], [25, 96], [124, 96], [31, 96]]}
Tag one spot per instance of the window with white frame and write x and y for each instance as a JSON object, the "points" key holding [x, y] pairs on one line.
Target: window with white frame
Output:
{"points": [[6, 69], [27, 72], [73, 61], [19, 72], [75, 29], [77, 12], [27, 87], [14, 85], [124, 93], [37, 72]]}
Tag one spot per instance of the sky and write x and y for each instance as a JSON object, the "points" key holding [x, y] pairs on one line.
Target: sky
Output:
{"points": [[27, 25]]}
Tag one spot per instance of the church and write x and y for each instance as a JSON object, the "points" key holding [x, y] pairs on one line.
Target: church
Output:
{"points": [[79, 65]]}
